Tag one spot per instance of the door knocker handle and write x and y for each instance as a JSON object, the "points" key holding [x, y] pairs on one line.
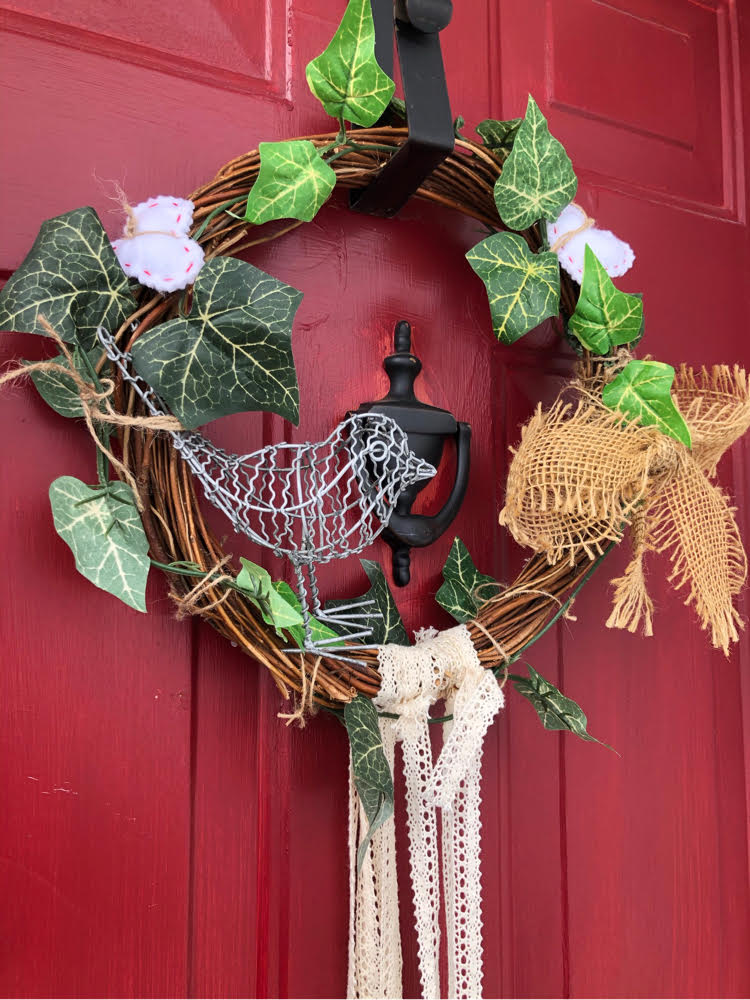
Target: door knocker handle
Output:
{"points": [[427, 428]]}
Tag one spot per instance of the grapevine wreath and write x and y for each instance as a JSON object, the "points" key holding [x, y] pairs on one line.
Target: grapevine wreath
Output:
{"points": [[628, 443]]}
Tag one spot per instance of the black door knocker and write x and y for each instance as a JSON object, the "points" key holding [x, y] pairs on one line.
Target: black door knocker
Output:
{"points": [[427, 428]]}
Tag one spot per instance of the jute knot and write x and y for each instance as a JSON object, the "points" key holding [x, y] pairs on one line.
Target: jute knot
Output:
{"points": [[95, 402], [131, 225], [193, 602], [564, 238]]}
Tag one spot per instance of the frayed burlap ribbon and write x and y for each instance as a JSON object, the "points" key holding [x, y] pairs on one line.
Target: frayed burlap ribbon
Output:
{"points": [[582, 472]]}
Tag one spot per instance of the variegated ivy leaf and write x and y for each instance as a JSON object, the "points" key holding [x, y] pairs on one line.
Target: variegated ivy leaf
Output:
{"points": [[537, 181], [346, 77], [384, 619], [499, 136], [72, 277], [293, 182], [103, 529], [398, 106], [642, 391], [58, 389], [320, 633], [458, 593], [232, 353], [604, 316], [555, 711], [372, 776], [256, 584], [523, 288]]}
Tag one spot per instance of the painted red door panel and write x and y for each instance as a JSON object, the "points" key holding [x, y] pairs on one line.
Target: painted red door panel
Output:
{"points": [[165, 834]]}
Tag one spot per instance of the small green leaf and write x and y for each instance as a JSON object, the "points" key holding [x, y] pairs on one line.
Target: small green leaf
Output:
{"points": [[555, 711], [72, 277], [385, 622], [458, 123], [293, 182], [499, 136], [372, 776], [57, 389], [320, 633], [461, 579], [642, 391], [604, 316], [103, 529], [232, 353], [537, 181], [398, 106], [346, 77], [523, 288], [255, 582]]}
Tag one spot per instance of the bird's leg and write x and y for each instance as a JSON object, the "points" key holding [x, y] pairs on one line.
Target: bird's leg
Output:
{"points": [[304, 607], [317, 607], [354, 617], [354, 624]]}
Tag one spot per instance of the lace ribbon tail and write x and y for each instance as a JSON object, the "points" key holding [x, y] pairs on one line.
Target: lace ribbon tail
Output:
{"points": [[423, 858], [374, 930], [456, 787]]}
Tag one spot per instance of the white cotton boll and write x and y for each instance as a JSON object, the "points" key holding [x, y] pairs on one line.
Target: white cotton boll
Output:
{"points": [[156, 249], [160, 261], [163, 214], [615, 255]]}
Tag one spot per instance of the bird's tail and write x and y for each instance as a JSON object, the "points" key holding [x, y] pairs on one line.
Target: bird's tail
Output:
{"points": [[122, 359]]}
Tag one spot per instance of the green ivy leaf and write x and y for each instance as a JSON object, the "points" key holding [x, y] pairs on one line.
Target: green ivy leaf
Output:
{"points": [[72, 277], [537, 181], [499, 136], [346, 77], [604, 316], [293, 182], [523, 288], [555, 711], [256, 584], [232, 353], [460, 580], [372, 776], [385, 621], [398, 106], [58, 390], [642, 391], [103, 530], [319, 631]]}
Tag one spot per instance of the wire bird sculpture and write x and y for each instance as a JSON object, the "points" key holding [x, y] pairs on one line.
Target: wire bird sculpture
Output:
{"points": [[310, 502]]}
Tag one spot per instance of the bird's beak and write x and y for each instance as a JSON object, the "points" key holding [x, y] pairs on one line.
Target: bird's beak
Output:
{"points": [[423, 470]]}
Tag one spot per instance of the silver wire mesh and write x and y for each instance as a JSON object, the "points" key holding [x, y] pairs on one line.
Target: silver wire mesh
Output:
{"points": [[310, 502]]}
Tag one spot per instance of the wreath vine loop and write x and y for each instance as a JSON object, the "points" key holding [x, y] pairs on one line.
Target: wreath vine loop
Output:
{"points": [[177, 531], [543, 258]]}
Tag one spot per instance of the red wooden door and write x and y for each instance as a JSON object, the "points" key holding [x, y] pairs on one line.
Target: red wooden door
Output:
{"points": [[163, 833]]}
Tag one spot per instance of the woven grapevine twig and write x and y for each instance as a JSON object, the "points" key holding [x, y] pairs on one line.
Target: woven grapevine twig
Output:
{"points": [[172, 514]]}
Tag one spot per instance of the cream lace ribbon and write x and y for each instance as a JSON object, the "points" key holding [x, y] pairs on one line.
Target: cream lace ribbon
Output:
{"points": [[440, 665]]}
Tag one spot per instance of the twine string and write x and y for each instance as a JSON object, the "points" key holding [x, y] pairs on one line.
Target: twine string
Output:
{"points": [[564, 238], [95, 403], [307, 695], [190, 603]]}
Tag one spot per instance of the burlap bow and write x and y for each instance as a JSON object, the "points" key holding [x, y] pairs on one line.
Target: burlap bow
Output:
{"points": [[582, 473]]}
